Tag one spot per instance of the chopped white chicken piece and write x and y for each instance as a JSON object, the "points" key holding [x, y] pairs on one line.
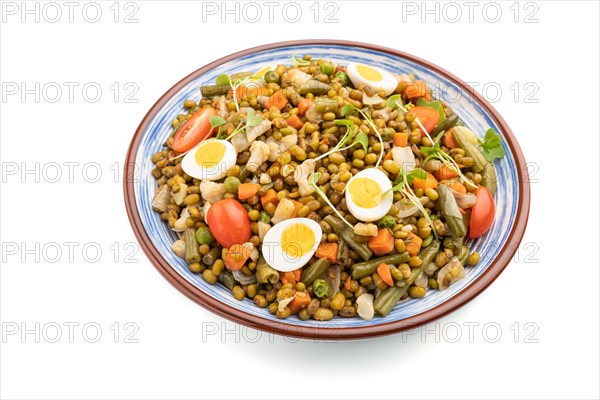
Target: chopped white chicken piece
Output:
{"points": [[281, 146], [301, 175], [239, 142], [404, 157], [212, 191], [297, 77], [365, 229], [259, 152], [255, 131], [284, 210]]}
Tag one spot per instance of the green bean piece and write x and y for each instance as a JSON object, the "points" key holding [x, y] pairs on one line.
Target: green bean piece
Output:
{"points": [[264, 217], [470, 149], [448, 123], [314, 271], [227, 279], [315, 87], [344, 232], [489, 178], [360, 270], [343, 255], [192, 254], [323, 105], [264, 273], [212, 255], [389, 297], [320, 288], [213, 90], [327, 68], [450, 211]]}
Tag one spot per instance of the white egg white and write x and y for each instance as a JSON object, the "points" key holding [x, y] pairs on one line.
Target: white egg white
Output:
{"points": [[380, 210], [388, 82], [213, 172], [274, 253]]}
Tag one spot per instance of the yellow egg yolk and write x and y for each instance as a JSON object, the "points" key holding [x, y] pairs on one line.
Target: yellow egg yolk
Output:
{"points": [[369, 73], [210, 154], [297, 240], [365, 192]]}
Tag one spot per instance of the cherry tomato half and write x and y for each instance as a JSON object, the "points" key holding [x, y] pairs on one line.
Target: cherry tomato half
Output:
{"points": [[427, 116], [194, 130], [229, 223], [482, 213]]}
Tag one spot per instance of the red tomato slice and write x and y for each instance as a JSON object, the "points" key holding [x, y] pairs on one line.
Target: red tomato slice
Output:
{"points": [[194, 130], [482, 213], [229, 223], [427, 116]]}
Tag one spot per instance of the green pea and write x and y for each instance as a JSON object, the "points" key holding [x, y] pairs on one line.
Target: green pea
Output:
{"points": [[386, 222], [231, 184], [343, 77], [327, 68], [203, 236], [271, 77]]}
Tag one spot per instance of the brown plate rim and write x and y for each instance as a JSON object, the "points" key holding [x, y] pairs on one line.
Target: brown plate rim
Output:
{"points": [[328, 330]]}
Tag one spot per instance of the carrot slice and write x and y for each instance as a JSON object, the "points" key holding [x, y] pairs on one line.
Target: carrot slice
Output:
{"points": [[297, 206], [302, 300], [445, 172], [384, 272], [269, 197], [278, 100], [400, 139], [304, 105], [328, 251], [236, 257], [295, 121], [459, 187], [449, 140], [429, 182], [247, 190], [413, 244], [428, 117], [383, 243], [417, 89]]}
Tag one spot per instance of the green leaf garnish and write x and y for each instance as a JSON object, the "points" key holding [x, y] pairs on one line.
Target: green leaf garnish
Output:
{"points": [[492, 145], [347, 110], [436, 105], [252, 119], [394, 101], [223, 80], [363, 139], [298, 62], [215, 121], [416, 173]]}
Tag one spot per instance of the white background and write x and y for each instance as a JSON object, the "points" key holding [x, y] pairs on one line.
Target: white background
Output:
{"points": [[545, 305]]}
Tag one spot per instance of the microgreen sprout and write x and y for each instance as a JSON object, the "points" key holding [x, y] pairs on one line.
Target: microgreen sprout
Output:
{"points": [[369, 120], [402, 185], [312, 180]]}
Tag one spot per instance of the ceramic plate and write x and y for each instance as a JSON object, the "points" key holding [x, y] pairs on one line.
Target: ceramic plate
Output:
{"points": [[496, 247]]}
